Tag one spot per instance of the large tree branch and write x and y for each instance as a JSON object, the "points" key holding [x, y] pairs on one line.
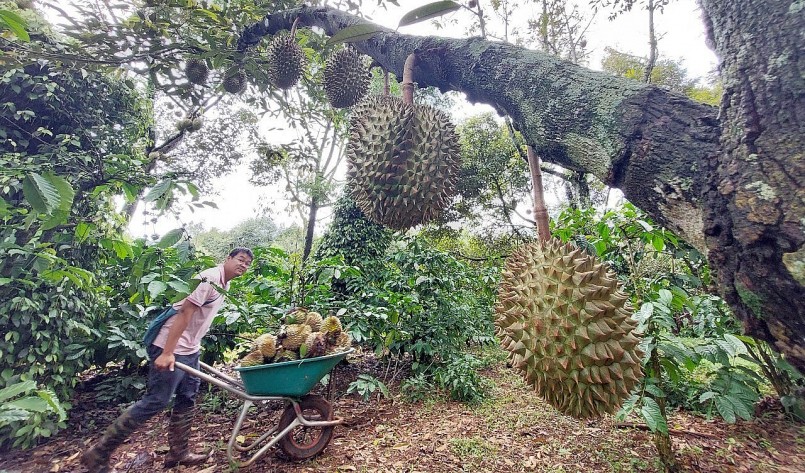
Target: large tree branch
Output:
{"points": [[648, 142]]}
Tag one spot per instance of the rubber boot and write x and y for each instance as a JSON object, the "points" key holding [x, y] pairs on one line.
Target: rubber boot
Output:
{"points": [[178, 438], [96, 459]]}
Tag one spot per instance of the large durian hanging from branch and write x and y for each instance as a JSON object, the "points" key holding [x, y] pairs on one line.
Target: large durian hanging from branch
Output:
{"points": [[568, 328], [346, 78], [403, 159], [286, 60]]}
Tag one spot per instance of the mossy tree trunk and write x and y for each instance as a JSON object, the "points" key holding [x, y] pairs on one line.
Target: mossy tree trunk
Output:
{"points": [[730, 182]]}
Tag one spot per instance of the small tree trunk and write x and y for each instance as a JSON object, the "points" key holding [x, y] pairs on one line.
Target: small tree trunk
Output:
{"points": [[540, 211], [311, 226], [662, 440]]}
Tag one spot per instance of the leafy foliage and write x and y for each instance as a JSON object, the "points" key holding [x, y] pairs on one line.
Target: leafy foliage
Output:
{"points": [[27, 413]]}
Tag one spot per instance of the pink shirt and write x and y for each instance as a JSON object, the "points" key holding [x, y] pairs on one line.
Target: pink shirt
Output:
{"points": [[200, 321]]}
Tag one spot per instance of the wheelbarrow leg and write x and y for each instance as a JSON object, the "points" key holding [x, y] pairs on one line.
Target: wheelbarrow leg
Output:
{"points": [[265, 448]]}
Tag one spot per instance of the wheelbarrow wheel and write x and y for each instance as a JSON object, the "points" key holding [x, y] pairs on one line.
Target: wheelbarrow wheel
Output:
{"points": [[306, 442]]}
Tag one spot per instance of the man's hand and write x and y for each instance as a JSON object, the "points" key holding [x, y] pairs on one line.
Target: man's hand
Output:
{"points": [[164, 362]]}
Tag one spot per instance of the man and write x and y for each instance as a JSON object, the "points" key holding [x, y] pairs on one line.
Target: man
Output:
{"points": [[179, 339]]}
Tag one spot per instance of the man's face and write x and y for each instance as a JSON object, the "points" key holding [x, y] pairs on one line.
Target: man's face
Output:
{"points": [[238, 264]]}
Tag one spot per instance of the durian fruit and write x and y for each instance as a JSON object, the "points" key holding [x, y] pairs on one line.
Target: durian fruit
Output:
{"points": [[286, 61], [196, 71], [253, 358], [235, 81], [316, 345], [313, 319], [285, 355], [184, 124], [196, 124], [403, 161], [346, 78], [266, 344], [332, 325], [568, 328], [295, 335]]}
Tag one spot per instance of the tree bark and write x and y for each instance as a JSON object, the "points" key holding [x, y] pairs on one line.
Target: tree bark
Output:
{"points": [[755, 195], [737, 196]]}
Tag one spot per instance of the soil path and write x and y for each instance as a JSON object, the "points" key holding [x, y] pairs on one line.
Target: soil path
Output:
{"points": [[514, 431]]}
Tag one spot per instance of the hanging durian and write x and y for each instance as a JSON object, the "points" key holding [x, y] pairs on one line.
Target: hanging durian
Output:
{"points": [[235, 81], [196, 71], [286, 60], [403, 161], [346, 78], [568, 328]]}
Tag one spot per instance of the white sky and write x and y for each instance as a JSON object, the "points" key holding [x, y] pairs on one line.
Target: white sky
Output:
{"points": [[679, 28]]}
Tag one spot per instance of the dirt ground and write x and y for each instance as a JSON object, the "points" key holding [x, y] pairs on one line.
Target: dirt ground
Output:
{"points": [[514, 431]]}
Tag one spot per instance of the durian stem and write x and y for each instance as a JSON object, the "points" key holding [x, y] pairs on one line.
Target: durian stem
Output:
{"points": [[408, 79], [540, 211], [293, 28], [386, 88]]}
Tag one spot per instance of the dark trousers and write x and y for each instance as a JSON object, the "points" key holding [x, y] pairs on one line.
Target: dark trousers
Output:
{"points": [[162, 385]]}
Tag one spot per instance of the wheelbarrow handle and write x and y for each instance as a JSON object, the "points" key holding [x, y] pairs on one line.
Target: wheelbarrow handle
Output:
{"points": [[225, 382]]}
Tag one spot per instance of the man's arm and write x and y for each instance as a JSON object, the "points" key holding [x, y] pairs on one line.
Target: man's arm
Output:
{"points": [[166, 360]]}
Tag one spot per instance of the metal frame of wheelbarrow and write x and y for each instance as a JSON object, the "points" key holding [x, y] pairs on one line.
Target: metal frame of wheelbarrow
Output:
{"points": [[237, 388]]}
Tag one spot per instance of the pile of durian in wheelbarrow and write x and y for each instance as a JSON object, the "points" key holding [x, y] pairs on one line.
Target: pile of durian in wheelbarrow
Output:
{"points": [[309, 336]]}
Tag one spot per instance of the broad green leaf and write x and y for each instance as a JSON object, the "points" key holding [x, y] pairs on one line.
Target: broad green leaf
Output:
{"points": [[738, 346], [354, 33], [724, 407], [426, 12], [16, 389], [155, 288], [653, 416], [654, 390], [40, 193], [66, 192], [658, 242], [171, 238], [34, 404], [158, 190], [739, 407], [83, 231], [179, 286], [707, 396], [15, 23], [8, 416]]}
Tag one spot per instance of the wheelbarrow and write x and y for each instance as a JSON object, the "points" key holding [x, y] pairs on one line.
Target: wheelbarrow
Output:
{"points": [[306, 425]]}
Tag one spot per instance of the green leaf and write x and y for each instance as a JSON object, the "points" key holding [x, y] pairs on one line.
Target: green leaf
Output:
{"points": [[83, 230], [739, 348], [739, 407], [426, 12], [658, 242], [8, 416], [40, 193], [179, 286], [66, 192], [16, 389], [15, 23], [158, 190], [155, 288], [354, 33], [33, 404], [171, 238], [707, 396], [654, 390], [724, 407], [653, 416]]}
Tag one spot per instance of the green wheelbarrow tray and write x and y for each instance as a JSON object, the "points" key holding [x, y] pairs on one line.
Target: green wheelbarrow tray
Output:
{"points": [[289, 378], [305, 426]]}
